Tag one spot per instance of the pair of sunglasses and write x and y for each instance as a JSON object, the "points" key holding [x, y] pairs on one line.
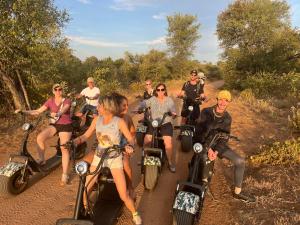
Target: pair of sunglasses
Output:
{"points": [[160, 89], [57, 89]]}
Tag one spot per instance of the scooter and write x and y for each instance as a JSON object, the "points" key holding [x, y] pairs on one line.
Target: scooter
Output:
{"points": [[15, 175], [108, 204], [187, 130], [190, 194], [142, 126], [154, 157]]}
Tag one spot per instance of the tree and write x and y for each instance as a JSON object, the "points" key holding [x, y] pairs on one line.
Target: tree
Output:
{"points": [[30, 39], [183, 33], [256, 36]]}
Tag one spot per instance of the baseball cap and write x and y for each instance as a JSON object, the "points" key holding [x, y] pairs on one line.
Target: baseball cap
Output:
{"points": [[90, 79], [194, 71]]}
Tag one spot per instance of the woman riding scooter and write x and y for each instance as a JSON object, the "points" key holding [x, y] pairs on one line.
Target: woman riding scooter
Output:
{"points": [[109, 129], [159, 104], [60, 123]]}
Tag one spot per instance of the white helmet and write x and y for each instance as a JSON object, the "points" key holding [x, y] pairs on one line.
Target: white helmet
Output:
{"points": [[201, 76]]}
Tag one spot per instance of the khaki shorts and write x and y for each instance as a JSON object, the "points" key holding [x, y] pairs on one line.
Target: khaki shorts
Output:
{"points": [[114, 163]]}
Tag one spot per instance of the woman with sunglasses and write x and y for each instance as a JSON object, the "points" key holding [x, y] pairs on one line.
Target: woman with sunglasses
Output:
{"points": [[109, 130], [59, 108], [159, 104]]}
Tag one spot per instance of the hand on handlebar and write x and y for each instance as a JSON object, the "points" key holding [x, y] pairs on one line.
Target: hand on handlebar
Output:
{"points": [[129, 149], [212, 155]]}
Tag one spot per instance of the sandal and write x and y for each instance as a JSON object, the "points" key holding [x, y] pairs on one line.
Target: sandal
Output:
{"points": [[64, 179]]}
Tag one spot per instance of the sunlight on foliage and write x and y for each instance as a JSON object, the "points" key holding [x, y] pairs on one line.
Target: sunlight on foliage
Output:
{"points": [[285, 153], [294, 118]]}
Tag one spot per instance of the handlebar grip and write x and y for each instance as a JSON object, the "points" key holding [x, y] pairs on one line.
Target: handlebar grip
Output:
{"points": [[177, 127]]}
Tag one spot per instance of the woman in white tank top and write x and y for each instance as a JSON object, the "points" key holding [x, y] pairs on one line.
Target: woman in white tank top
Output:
{"points": [[109, 129]]}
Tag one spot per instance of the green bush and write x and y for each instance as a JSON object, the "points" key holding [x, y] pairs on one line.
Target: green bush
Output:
{"points": [[286, 153], [268, 85]]}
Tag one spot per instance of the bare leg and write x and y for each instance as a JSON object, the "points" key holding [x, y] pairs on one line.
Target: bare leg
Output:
{"points": [[47, 133], [169, 148], [64, 138], [128, 174]]}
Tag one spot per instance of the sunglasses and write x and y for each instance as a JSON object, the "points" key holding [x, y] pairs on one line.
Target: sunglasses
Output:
{"points": [[160, 89], [57, 89], [148, 84], [193, 74]]}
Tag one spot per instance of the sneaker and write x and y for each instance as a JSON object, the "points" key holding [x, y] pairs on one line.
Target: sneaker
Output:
{"points": [[64, 179], [172, 168], [244, 197], [137, 219]]}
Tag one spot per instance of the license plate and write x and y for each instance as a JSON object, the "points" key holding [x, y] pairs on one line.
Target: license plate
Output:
{"points": [[141, 129]]}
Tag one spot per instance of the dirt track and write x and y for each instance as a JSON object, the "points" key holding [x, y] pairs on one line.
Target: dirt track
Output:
{"points": [[45, 201]]}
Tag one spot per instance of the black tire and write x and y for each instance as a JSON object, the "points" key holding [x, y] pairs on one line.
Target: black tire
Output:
{"points": [[186, 143], [80, 150], [12, 185], [151, 176], [183, 218], [140, 138]]}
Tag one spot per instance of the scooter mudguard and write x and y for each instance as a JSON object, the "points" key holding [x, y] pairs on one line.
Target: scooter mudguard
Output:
{"points": [[10, 168], [152, 161], [187, 202]]}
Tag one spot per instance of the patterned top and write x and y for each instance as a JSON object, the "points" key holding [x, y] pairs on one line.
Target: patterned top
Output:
{"points": [[51, 105], [108, 134], [158, 109]]}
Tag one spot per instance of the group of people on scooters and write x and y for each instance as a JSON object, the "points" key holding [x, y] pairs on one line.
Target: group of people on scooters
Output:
{"points": [[113, 126]]}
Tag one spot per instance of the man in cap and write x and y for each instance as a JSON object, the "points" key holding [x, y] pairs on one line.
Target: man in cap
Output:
{"points": [[91, 94], [216, 119], [192, 90]]}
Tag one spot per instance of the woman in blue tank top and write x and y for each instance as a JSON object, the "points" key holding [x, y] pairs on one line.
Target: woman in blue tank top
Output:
{"points": [[109, 129]]}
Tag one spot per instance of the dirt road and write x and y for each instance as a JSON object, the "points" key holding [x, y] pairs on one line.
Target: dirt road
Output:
{"points": [[45, 201]]}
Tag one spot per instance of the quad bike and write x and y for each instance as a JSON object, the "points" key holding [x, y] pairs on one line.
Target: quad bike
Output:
{"points": [[107, 204], [190, 194], [15, 175]]}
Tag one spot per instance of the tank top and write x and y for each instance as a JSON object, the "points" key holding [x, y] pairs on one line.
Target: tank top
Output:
{"points": [[108, 134]]}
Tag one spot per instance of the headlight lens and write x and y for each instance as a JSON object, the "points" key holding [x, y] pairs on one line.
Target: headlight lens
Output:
{"points": [[73, 104], [81, 168], [26, 126], [197, 148], [190, 108], [154, 123]]}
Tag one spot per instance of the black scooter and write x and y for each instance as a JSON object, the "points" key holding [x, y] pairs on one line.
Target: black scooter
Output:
{"points": [[108, 204], [15, 175], [154, 157], [187, 130], [142, 126], [190, 194]]}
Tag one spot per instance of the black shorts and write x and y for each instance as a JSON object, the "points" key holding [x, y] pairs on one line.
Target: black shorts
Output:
{"points": [[63, 127], [165, 130]]}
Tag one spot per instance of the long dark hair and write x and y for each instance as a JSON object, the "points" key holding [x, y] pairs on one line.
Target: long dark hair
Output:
{"points": [[165, 87], [119, 99]]}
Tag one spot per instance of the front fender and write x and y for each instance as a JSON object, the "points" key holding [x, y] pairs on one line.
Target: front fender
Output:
{"points": [[10, 168], [187, 202], [152, 161]]}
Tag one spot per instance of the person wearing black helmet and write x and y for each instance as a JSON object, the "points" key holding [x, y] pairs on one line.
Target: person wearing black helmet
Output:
{"points": [[192, 90]]}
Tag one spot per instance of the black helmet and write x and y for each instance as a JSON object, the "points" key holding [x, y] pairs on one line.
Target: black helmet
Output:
{"points": [[194, 71]]}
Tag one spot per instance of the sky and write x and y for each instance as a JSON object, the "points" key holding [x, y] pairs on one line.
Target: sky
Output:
{"points": [[108, 28]]}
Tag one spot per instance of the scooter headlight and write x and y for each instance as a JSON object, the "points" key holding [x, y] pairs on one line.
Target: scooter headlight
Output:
{"points": [[26, 126], [190, 108], [154, 123], [74, 104], [81, 168], [197, 148]]}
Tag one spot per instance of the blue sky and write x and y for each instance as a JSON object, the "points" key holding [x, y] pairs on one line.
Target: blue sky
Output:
{"points": [[104, 28]]}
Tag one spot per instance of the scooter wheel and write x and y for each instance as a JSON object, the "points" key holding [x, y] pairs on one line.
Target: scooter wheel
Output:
{"points": [[13, 185], [181, 217], [186, 143], [140, 138], [151, 176]]}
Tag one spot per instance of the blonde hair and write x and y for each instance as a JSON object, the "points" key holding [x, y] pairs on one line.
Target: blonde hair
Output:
{"points": [[109, 104]]}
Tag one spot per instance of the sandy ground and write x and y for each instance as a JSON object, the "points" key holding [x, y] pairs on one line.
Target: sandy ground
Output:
{"points": [[45, 201]]}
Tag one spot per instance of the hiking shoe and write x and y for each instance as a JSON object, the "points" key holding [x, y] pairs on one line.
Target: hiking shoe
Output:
{"points": [[244, 197], [136, 218]]}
